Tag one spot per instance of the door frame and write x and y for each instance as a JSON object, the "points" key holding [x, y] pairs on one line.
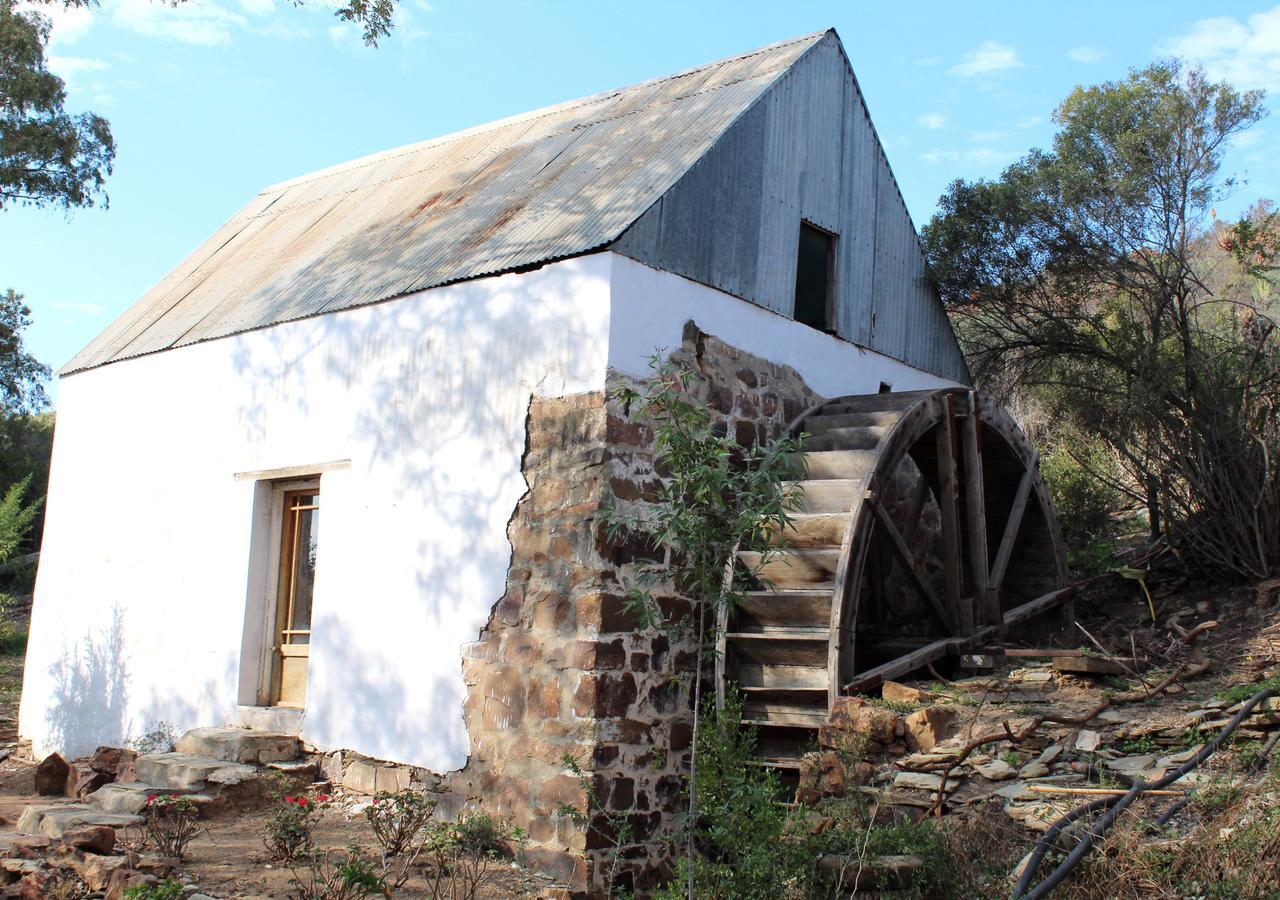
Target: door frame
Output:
{"points": [[267, 673]]}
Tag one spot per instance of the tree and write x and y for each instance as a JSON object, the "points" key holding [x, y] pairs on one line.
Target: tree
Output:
{"points": [[22, 376], [47, 156], [1081, 275]]}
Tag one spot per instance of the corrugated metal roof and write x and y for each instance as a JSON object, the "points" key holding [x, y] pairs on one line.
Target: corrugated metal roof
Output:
{"points": [[545, 185]]}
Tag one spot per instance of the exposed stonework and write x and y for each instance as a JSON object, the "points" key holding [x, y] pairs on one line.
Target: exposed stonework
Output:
{"points": [[561, 667]]}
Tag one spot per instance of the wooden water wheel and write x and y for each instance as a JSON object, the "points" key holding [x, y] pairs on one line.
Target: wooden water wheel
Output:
{"points": [[926, 530]]}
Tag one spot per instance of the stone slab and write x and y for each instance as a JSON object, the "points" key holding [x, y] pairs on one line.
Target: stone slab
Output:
{"points": [[240, 745], [55, 821], [186, 772]]}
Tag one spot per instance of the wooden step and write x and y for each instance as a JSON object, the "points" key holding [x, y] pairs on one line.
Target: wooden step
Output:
{"points": [[844, 439], [798, 569], [825, 421], [812, 608], [832, 495], [867, 403], [823, 465], [772, 712], [813, 530], [782, 677], [780, 646]]}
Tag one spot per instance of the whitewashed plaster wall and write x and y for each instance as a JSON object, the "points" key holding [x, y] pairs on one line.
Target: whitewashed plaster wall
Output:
{"points": [[145, 575], [141, 594]]}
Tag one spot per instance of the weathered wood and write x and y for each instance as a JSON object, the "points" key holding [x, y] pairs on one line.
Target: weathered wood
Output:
{"points": [[1088, 665], [893, 580], [722, 628], [796, 569], [811, 608], [825, 465], [1011, 527], [976, 517], [908, 562], [829, 495], [949, 506], [1043, 603], [783, 678], [812, 530]]}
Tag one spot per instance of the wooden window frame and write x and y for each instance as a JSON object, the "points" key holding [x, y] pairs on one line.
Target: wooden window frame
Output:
{"points": [[267, 682]]}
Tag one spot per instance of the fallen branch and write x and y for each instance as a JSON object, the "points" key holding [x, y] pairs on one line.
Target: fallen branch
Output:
{"points": [[1055, 789]]}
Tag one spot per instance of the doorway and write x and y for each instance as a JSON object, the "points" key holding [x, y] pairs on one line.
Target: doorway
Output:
{"points": [[299, 531]]}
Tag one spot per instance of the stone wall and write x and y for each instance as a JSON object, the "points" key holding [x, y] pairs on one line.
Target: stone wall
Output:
{"points": [[562, 667]]}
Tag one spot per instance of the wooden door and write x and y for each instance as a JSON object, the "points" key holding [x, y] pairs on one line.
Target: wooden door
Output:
{"points": [[299, 535]]}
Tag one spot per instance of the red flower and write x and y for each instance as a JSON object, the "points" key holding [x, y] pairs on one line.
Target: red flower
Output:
{"points": [[151, 798], [302, 801], [288, 799], [322, 798]]}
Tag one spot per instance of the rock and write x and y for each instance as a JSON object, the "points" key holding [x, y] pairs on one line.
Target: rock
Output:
{"points": [[94, 838], [1016, 791], [1173, 760], [901, 693], [99, 870], [924, 781], [55, 821], [1034, 769], [51, 775], [1112, 717], [108, 760], [1087, 740], [1049, 755], [1131, 765], [928, 727], [996, 770], [361, 777], [22, 866], [822, 774], [1037, 677], [83, 779], [1036, 816], [122, 879], [878, 724]]}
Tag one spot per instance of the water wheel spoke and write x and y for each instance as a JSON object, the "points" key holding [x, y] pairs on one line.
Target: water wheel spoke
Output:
{"points": [[1012, 526], [908, 562]]}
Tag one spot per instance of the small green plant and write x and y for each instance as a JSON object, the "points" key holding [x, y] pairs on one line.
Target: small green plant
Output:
{"points": [[169, 889], [170, 823], [327, 876], [288, 833], [462, 858], [15, 518], [897, 706], [1144, 744], [611, 827], [1242, 692], [1013, 758], [397, 819]]}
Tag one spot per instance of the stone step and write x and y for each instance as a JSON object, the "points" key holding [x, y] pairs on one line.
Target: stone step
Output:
{"points": [[240, 745], [185, 772], [131, 797], [55, 820]]}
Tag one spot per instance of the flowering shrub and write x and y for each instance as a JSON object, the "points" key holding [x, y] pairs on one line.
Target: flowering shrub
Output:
{"points": [[327, 877], [170, 822], [288, 832], [397, 819]]}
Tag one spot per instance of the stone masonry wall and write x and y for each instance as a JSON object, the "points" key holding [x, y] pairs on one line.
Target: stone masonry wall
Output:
{"points": [[562, 668]]}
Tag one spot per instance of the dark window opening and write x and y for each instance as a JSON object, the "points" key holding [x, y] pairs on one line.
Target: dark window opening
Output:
{"points": [[886, 387], [814, 267]]}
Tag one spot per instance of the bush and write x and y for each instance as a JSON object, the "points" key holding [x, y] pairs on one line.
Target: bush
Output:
{"points": [[397, 819], [288, 831], [170, 822], [1077, 471], [462, 857], [348, 877], [15, 518]]}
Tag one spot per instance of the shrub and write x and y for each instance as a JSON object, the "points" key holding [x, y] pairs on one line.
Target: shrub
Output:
{"points": [[158, 738], [169, 889], [347, 877], [15, 518], [170, 822], [1079, 474], [461, 857], [288, 831], [397, 819]]}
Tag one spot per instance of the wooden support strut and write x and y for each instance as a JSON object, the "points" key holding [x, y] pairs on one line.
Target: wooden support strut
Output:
{"points": [[949, 507], [1014, 522], [907, 560], [988, 612]]}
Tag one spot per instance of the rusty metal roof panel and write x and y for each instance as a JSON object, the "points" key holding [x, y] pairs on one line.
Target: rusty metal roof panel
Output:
{"points": [[544, 185]]}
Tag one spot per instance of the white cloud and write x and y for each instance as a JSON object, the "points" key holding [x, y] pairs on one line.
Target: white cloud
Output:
{"points": [[1086, 55], [69, 23], [257, 7], [1030, 121], [70, 66], [974, 156], [990, 58], [1245, 53], [932, 121], [203, 24]]}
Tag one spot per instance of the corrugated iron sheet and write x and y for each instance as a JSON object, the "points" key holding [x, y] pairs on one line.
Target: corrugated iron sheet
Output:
{"points": [[544, 185]]}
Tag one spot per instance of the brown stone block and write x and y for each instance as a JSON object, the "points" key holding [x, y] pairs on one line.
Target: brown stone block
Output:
{"points": [[607, 613], [521, 648], [561, 866], [562, 790], [681, 736], [51, 775], [596, 655], [544, 698], [626, 731], [504, 693]]}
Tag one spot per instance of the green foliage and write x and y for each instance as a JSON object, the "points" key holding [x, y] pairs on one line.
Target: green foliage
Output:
{"points": [[47, 156], [170, 823], [326, 877], [748, 845], [714, 495], [15, 518], [1088, 279], [1241, 692], [462, 858], [169, 889], [22, 376], [397, 819], [1144, 744], [1080, 474], [288, 833], [610, 828]]}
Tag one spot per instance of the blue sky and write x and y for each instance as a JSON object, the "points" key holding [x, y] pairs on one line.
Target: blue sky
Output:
{"points": [[214, 100]]}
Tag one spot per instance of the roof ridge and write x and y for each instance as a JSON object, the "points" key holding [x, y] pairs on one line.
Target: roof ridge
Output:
{"points": [[533, 114]]}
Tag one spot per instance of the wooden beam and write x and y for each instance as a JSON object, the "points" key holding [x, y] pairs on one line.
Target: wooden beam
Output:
{"points": [[976, 518], [949, 506], [893, 578], [907, 560], [917, 659], [1012, 525]]}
